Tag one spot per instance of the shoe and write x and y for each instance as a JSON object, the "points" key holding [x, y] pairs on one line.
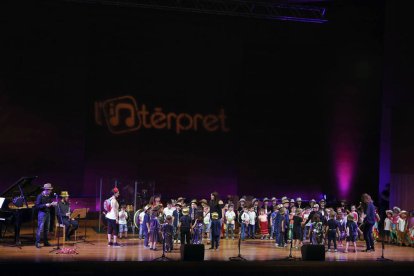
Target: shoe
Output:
{"points": [[366, 250], [329, 250], [211, 248], [37, 245], [110, 243], [47, 244], [116, 245], [346, 251], [216, 248], [336, 250], [18, 243], [146, 247]]}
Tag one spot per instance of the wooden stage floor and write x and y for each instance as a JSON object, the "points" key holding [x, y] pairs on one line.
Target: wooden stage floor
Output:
{"points": [[132, 249]]}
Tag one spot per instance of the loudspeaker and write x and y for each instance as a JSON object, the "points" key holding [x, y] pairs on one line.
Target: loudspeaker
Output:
{"points": [[192, 252], [312, 252]]}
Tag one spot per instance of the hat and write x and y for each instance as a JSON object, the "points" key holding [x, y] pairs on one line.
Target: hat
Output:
{"points": [[299, 199], [146, 208], [273, 198], [389, 211], [180, 198], [265, 199], [283, 198], [64, 194], [292, 201], [178, 204], [204, 201], [285, 201], [396, 209], [254, 200], [403, 212], [242, 199], [47, 186], [279, 206], [185, 211], [316, 205], [214, 215], [312, 200], [194, 201], [322, 200]]}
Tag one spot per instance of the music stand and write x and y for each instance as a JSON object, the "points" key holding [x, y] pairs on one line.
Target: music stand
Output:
{"points": [[81, 213]]}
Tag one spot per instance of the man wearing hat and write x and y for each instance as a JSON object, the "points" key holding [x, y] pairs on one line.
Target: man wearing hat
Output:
{"points": [[63, 215], [312, 202], [291, 204], [43, 204], [193, 211], [299, 203], [176, 219]]}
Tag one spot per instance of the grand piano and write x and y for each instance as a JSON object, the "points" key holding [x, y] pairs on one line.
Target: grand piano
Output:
{"points": [[18, 206]]}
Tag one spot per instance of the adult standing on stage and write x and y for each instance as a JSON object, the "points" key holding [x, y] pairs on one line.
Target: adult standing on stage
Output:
{"points": [[113, 218], [215, 206], [369, 221], [43, 204]]}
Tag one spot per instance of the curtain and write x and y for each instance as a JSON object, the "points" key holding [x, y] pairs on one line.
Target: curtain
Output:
{"points": [[402, 191]]}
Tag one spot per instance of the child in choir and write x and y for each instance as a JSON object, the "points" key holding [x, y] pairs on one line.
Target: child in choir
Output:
{"points": [[351, 232], [341, 219], [215, 231], [354, 213], [307, 225], [297, 228], [316, 230], [245, 220], [402, 228], [263, 225], [168, 233], [411, 228], [141, 221], [230, 220], [176, 220], [387, 226], [252, 223], [291, 215], [375, 229], [206, 221], [332, 230], [272, 222], [123, 227], [146, 225], [198, 230], [395, 216], [280, 224], [154, 227]]}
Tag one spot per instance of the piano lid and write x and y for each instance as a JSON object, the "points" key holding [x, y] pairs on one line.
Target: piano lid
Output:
{"points": [[27, 187]]}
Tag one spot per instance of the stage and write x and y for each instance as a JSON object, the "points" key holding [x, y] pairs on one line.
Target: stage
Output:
{"points": [[261, 255]]}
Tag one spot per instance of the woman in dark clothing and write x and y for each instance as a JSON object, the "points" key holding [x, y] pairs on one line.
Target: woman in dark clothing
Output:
{"points": [[369, 220], [214, 205]]}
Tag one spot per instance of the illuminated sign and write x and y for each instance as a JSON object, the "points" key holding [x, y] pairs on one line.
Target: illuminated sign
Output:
{"points": [[123, 115]]}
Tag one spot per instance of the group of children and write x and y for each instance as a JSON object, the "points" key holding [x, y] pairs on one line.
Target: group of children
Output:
{"points": [[288, 221]]}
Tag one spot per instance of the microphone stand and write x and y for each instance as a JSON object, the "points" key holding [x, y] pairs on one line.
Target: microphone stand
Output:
{"points": [[239, 256], [382, 259], [290, 257], [57, 249], [163, 257]]}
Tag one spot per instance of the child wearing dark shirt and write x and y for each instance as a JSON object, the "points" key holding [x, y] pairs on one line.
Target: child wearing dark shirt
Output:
{"points": [[297, 228], [332, 230], [215, 230], [351, 232], [167, 234]]}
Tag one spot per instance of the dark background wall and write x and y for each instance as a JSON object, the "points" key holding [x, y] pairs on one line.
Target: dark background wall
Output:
{"points": [[303, 101]]}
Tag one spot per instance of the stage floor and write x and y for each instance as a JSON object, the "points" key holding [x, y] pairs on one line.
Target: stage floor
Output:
{"points": [[132, 249]]}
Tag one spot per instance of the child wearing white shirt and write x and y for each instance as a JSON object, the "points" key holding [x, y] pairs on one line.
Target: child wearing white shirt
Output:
{"points": [[230, 219], [252, 223]]}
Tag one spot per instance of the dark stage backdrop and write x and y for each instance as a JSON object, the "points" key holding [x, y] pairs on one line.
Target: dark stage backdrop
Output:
{"points": [[194, 103]]}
